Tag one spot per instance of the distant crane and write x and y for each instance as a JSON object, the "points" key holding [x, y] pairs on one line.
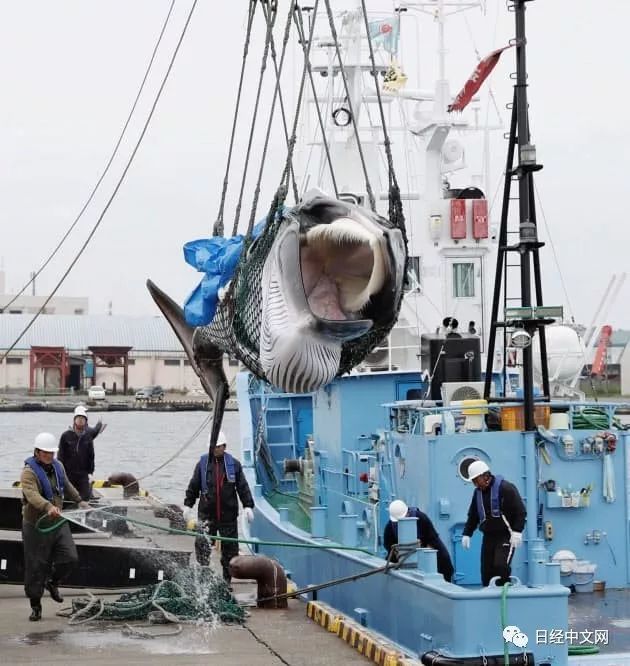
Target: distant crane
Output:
{"points": [[599, 361]]}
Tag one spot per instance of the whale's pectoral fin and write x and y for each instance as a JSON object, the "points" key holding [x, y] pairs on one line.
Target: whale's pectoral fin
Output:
{"points": [[207, 360]]}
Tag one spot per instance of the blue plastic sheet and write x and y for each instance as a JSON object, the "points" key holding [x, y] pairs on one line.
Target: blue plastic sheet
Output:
{"points": [[217, 257]]}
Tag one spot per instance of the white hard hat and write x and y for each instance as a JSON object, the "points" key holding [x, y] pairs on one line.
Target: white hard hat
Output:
{"points": [[397, 510], [80, 410], [46, 442], [476, 469], [221, 439]]}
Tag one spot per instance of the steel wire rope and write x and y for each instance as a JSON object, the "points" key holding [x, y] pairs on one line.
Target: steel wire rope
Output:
{"points": [[409, 164], [281, 193], [186, 444], [373, 129], [563, 283], [393, 184], [218, 224], [105, 170], [333, 30], [116, 188], [278, 71], [270, 20], [301, 34], [276, 95], [336, 92], [553, 250]]}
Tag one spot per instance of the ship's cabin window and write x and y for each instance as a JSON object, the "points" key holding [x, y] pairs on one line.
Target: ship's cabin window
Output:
{"points": [[464, 465], [463, 280]]}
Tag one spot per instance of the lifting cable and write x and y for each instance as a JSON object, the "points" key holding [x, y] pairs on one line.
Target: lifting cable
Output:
{"points": [[278, 71], [270, 19], [396, 215], [218, 225], [105, 170], [302, 38], [281, 193], [276, 94], [116, 188], [333, 30]]}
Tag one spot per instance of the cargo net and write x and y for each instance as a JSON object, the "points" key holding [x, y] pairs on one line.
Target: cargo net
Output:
{"points": [[195, 594], [235, 327]]}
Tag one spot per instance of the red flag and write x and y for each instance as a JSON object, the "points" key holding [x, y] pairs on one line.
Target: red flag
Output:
{"points": [[473, 84]]}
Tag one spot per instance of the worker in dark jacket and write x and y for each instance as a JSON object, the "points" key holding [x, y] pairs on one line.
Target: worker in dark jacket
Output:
{"points": [[427, 536], [48, 558], [218, 481], [498, 510], [76, 451]]}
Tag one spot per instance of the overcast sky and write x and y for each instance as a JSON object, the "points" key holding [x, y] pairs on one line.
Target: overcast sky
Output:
{"points": [[70, 71]]}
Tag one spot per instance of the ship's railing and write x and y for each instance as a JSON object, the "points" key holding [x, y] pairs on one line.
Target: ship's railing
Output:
{"points": [[419, 417]]}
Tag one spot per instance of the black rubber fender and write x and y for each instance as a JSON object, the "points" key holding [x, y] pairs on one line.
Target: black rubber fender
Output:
{"points": [[434, 658]]}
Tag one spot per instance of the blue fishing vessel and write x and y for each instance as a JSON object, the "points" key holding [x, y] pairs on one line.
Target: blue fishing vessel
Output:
{"points": [[325, 467]]}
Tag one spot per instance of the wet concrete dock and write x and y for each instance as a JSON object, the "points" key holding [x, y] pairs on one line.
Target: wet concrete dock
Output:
{"points": [[268, 637]]}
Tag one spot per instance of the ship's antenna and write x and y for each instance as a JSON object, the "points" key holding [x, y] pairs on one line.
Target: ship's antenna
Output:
{"points": [[525, 319]]}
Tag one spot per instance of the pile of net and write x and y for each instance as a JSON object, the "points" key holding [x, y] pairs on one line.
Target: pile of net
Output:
{"points": [[195, 594]]}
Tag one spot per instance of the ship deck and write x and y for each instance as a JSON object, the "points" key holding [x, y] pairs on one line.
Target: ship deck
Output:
{"points": [[607, 611]]}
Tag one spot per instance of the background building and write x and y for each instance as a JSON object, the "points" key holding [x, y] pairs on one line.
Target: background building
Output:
{"points": [[60, 352], [29, 303]]}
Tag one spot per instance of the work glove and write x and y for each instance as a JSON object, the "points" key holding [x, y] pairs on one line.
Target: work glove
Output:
{"points": [[249, 514], [466, 542], [516, 539], [189, 514]]}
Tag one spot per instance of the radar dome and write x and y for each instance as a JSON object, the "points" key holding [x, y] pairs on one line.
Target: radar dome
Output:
{"points": [[565, 353]]}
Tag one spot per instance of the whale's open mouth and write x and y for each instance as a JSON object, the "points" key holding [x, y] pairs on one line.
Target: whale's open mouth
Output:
{"points": [[343, 264]]}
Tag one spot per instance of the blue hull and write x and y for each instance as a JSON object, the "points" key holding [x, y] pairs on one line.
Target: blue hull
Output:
{"points": [[369, 446]]}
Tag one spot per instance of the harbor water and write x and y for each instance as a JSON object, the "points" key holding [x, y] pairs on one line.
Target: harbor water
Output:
{"points": [[134, 442]]}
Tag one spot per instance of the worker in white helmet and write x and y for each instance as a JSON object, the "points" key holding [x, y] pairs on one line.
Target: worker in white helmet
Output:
{"points": [[48, 558], [218, 481], [76, 450], [427, 536], [498, 510]]}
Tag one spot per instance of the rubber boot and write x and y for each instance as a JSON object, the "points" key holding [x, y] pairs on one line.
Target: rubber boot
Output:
{"points": [[36, 610], [51, 586]]}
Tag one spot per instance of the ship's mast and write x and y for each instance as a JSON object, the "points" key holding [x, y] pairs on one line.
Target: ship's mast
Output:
{"points": [[526, 319]]}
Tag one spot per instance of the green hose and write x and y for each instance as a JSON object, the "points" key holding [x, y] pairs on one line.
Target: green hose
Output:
{"points": [[173, 530], [594, 418], [506, 654], [582, 649]]}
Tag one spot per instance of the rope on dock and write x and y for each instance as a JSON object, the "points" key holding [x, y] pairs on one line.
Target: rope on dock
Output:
{"points": [[195, 595]]}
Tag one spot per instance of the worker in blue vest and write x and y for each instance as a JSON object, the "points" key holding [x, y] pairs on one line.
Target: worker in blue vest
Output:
{"points": [[218, 481], [498, 510], [48, 558], [427, 536]]}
